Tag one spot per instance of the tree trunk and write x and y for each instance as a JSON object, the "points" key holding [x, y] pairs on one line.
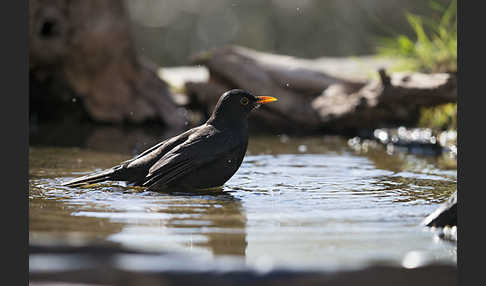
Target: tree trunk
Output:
{"points": [[82, 58]]}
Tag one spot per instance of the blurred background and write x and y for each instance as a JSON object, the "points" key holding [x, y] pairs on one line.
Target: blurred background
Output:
{"points": [[169, 32], [117, 64], [116, 61], [340, 172]]}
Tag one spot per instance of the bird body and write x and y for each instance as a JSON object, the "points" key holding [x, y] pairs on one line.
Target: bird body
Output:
{"points": [[203, 157]]}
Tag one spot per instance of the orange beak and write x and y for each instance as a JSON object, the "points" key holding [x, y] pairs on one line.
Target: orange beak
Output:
{"points": [[265, 99]]}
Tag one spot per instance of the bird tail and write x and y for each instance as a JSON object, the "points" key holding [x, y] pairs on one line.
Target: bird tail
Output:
{"points": [[91, 179]]}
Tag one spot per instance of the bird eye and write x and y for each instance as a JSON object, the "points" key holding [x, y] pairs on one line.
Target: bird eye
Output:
{"points": [[244, 100]]}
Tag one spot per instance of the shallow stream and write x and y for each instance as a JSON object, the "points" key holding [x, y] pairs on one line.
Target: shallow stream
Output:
{"points": [[301, 203]]}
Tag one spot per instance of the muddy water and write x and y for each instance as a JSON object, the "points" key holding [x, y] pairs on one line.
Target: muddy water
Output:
{"points": [[295, 202]]}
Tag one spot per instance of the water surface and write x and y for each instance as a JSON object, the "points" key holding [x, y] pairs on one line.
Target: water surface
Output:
{"points": [[295, 202]]}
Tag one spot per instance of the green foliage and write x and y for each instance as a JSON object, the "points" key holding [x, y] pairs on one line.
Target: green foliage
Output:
{"points": [[435, 46], [434, 49], [440, 117]]}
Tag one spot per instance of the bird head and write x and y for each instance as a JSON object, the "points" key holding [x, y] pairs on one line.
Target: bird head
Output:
{"points": [[236, 104]]}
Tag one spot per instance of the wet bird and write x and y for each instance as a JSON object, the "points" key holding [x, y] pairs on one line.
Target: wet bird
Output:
{"points": [[203, 157]]}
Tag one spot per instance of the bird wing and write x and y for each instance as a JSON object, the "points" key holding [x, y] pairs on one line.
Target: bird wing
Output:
{"points": [[198, 150], [157, 151], [131, 170]]}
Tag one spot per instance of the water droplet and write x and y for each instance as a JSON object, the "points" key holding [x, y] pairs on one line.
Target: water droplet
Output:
{"points": [[284, 138], [382, 135], [302, 148]]}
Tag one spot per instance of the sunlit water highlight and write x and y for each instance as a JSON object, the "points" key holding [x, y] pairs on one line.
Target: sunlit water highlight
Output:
{"points": [[325, 207]]}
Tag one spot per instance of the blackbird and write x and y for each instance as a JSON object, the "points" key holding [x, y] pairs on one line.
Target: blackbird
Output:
{"points": [[203, 157]]}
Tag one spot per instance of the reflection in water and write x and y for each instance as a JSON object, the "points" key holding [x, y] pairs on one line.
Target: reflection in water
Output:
{"points": [[127, 140], [415, 178], [298, 202], [206, 221], [51, 218], [220, 218]]}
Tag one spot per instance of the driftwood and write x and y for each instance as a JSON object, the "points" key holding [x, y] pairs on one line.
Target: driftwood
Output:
{"points": [[82, 56], [263, 74], [310, 99], [445, 214], [391, 101]]}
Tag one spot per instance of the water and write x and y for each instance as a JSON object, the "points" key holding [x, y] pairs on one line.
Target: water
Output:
{"points": [[302, 203]]}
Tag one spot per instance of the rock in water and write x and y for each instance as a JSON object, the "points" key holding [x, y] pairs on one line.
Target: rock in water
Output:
{"points": [[445, 215]]}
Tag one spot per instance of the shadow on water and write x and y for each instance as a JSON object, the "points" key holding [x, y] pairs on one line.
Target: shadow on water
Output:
{"points": [[299, 202], [219, 217], [202, 220], [124, 139]]}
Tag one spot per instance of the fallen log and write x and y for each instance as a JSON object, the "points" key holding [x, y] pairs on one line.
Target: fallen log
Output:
{"points": [[266, 74], [388, 102], [310, 99], [82, 57]]}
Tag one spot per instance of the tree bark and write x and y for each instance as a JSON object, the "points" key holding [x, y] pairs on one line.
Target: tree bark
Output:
{"points": [[82, 56], [309, 99], [267, 74], [390, 101]]}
